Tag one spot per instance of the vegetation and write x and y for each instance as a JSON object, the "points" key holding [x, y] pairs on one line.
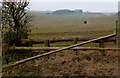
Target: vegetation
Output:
{"points": [[67, 63], [71, 25], [67, 11], [15, 21]]}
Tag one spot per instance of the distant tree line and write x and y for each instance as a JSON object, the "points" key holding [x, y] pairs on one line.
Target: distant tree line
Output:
{"points": [[67, 11]]}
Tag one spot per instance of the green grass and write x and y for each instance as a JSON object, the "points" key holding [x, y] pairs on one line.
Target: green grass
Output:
{"points": [[51, 26], [47, 26]]}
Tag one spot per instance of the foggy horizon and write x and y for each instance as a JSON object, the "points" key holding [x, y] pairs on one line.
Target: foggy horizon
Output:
{"points": [[73, 10]]}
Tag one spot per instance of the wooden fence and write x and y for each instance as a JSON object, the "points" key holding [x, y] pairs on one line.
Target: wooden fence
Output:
{"points": [[48, 48], [54, 40], [58, 49]]}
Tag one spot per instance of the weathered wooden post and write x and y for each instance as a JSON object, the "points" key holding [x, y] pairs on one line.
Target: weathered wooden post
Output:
{"points": [[115, 31], [102, 45], [118, 38], [75, 42], [0, 52], [47, 44]]}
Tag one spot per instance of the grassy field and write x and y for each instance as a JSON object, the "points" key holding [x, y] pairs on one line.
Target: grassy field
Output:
{"points": [[67, 63], [52, 26]]}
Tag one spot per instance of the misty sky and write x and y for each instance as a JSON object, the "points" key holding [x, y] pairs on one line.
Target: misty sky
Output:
{"points": [[86, 5]]}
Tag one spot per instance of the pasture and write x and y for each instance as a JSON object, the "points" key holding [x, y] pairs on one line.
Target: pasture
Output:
{"points": [[67, 63], [52, 26]]}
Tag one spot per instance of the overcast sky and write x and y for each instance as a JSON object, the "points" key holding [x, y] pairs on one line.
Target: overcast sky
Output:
{"points": [[86, 5], [74, 0]]}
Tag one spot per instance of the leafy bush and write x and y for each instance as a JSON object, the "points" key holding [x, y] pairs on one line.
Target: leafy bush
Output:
{"points": [[15, 21]]}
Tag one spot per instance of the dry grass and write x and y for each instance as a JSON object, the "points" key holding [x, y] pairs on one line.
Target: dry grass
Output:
{"points": [[67, 63], [86, 63]]}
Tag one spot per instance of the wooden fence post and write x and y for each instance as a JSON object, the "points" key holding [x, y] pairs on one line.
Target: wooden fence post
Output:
{"points": [[102, 45], [75, 42], [116, 34], [118, 38], [47, 44]]}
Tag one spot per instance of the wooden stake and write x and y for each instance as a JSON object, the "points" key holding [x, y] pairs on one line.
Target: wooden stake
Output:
{"points": [[102, 45], [118, 39], [47, 44], [75, 42]]}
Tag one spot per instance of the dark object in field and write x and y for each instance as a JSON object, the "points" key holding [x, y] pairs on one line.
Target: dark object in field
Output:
{"points": [[85, 22]]}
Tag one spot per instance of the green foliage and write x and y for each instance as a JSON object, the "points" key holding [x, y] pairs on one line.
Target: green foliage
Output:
{"points": [[15, 22]]}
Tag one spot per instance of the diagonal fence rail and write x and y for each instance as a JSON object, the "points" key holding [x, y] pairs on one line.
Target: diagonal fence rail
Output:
{"points": [[54, 51]]}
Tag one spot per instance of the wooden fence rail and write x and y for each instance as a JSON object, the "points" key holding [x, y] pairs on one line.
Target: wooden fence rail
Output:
{"points": [[71, 39], [55, 48], [58, 50]]}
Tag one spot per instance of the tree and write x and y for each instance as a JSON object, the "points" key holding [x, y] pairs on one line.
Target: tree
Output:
{"points": [[15, 21]]}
